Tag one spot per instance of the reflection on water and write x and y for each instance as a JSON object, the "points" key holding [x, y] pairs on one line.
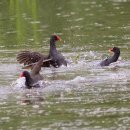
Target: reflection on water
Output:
{"points": [[82, 95]]}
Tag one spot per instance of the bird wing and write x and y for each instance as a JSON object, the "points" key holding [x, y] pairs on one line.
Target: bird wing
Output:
{"points": [[28, 57], [37, 67]]}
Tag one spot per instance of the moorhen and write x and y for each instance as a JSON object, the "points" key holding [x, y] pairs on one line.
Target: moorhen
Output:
{"points": [[57, 59], [32, 78], [112, 59]]}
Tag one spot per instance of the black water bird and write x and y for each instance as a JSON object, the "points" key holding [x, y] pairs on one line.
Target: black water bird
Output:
{"points": [[54, 58], [32, 78], [112, 59]]}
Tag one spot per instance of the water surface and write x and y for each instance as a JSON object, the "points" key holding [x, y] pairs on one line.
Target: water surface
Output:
{"points": [[82, 95]]}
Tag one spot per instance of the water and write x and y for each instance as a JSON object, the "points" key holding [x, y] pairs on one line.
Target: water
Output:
{"points": [[81, 96]]}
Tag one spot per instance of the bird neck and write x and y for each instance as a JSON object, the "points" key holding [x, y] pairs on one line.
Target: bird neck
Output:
{"points": [[115, 57], [53, 49], [28, 81]]}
